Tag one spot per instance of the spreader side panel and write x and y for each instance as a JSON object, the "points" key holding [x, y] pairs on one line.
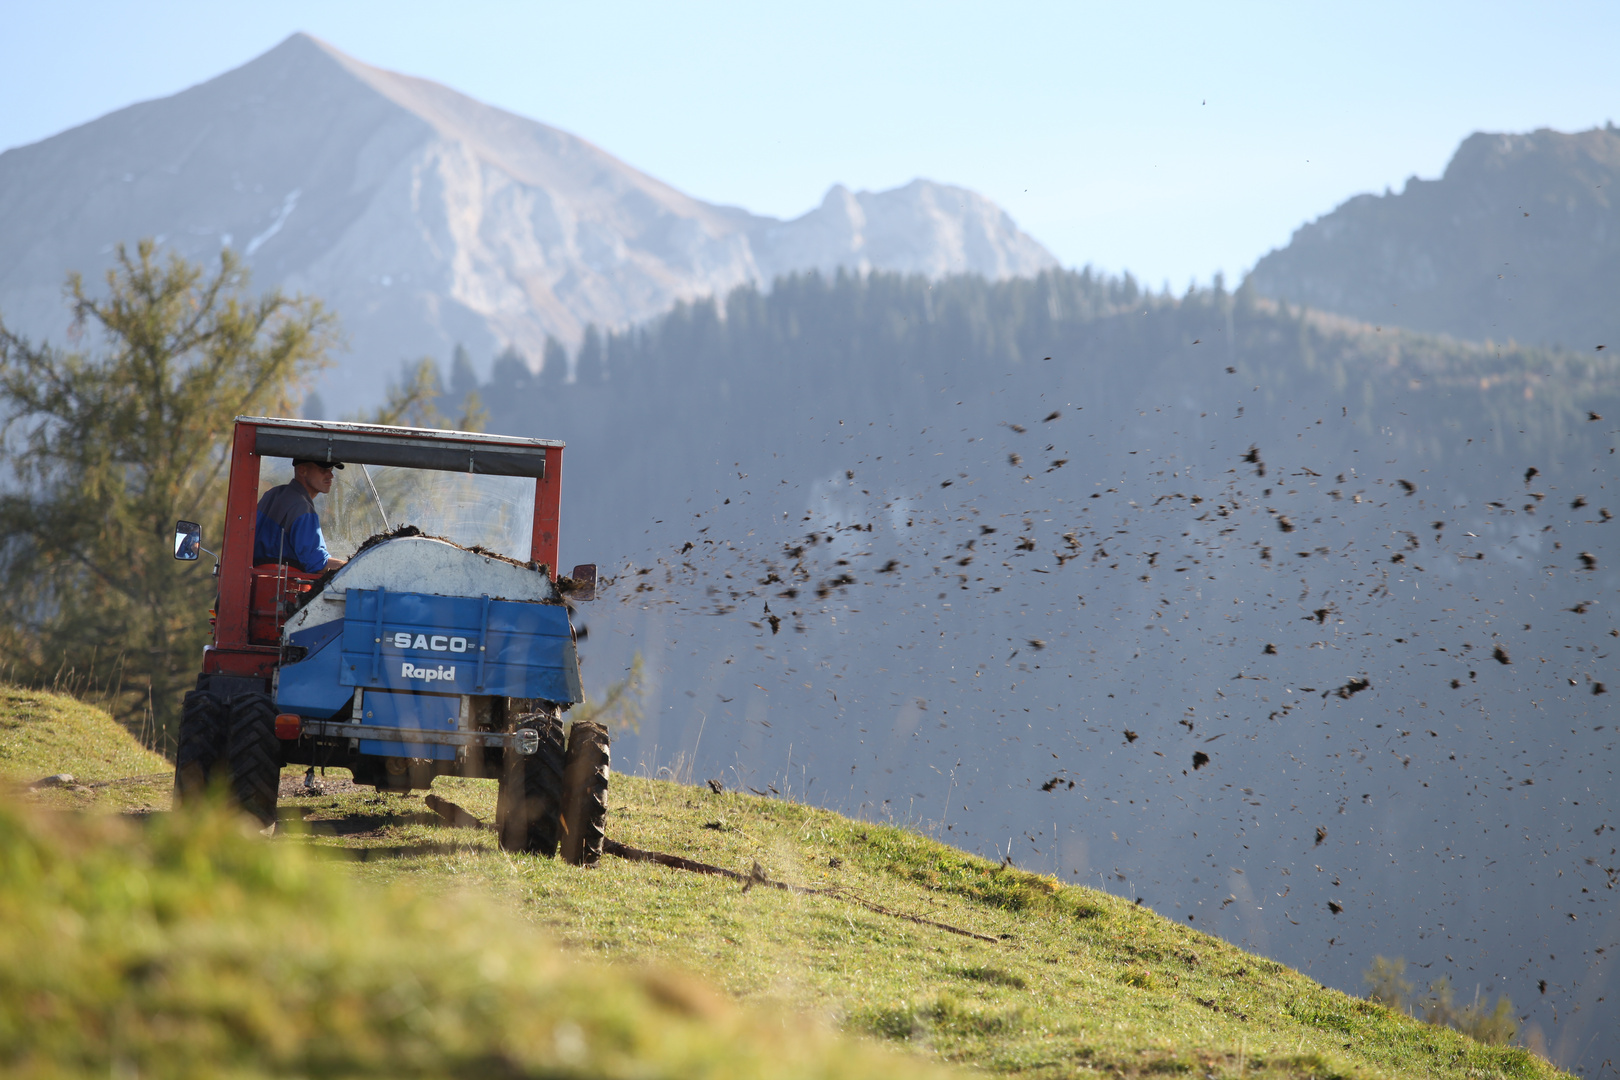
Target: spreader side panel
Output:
{"points": [[458, 645]]}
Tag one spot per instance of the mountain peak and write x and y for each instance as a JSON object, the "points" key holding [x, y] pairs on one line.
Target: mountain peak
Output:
{"points": [[1515, 240], [923, 227], [426, 218], [299, 50]]}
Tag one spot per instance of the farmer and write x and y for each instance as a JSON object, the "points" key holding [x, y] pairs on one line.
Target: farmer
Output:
{"points": [[288, 530]]}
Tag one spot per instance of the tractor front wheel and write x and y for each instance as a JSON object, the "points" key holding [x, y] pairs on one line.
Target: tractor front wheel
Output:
{"points": [[201, 745], [254, 755], [584, 793], [530, 788]]}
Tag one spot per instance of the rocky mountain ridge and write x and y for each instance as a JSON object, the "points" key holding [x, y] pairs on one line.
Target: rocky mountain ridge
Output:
{"points": [[426, 218], [1519, 239]]}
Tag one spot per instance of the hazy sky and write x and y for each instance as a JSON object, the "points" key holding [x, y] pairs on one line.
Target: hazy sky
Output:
{"points": [[1173, 140]]}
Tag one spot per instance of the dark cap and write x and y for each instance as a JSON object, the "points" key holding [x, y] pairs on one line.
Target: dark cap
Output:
{"points": [[311, 461]]}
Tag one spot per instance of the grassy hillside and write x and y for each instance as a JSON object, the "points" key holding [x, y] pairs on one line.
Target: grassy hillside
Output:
{"points": [[197, 950], [44, 734]]}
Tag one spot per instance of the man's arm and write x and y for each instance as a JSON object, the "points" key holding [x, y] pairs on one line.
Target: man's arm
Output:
{"points": [[309, 546]]}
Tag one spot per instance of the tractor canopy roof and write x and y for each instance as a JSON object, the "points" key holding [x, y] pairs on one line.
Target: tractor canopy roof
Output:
{"points": [[404, 447]]}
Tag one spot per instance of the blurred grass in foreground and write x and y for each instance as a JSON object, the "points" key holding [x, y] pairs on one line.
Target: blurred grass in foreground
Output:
{"points": [[191, 949]]}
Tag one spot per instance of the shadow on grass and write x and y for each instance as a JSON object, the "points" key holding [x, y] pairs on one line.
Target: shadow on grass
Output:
{"points": [[348, 826]]}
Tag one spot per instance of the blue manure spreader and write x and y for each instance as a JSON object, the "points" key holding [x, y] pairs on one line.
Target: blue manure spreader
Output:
{"points": [[437, 640]]}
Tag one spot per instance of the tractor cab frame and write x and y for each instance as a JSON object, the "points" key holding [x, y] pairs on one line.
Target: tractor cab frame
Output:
{"points": [[434, 650]]}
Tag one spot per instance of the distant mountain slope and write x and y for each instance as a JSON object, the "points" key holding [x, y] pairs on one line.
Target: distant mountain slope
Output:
{"points": [[1134, 528], [1519, 239], [426, 218]]}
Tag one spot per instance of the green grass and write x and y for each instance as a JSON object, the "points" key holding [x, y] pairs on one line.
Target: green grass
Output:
{"points": [[44, 734], [1075, 981]]}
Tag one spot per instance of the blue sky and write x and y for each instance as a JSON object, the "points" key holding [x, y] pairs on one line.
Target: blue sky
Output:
{"points": [[1173, 140]]}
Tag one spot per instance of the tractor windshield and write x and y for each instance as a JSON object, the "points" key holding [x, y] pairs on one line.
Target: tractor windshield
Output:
{"points": [[495, 512]]}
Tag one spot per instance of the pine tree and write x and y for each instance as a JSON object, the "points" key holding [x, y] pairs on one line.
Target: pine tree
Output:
{"points": [[510, 372], [106, 448], [553, 364], [589, 368], [418, 399], [463, 379]]}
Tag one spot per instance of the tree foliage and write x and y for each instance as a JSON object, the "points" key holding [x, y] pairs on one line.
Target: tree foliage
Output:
{"points": [[553, 363], [620, 705], [854, 339], [1387, 985], [104, 448], [463, 379], [589, 366], [418, 399], [1386, 982]]}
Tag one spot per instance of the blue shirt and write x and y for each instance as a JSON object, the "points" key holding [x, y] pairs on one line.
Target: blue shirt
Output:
{"points": [[288, 530]]}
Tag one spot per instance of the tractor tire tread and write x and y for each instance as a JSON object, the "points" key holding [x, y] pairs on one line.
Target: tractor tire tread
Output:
{"points": [[531, 788], [201, 746], [584, 791], [253, 754]]}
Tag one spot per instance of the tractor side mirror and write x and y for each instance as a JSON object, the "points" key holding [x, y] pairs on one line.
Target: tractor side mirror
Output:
{"points": [[584, 579], [187, 541]]}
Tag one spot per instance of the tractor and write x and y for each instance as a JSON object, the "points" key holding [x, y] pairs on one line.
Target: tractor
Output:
{"points": [[442, 646]]}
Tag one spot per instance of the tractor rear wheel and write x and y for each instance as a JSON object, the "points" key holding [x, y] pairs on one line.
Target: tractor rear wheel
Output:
{"points": [[253, 754], [531, 788], [584, 801], [201, 745]]}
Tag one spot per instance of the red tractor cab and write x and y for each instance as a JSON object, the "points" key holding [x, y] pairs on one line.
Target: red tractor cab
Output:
{"points": [[442, 646]]}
